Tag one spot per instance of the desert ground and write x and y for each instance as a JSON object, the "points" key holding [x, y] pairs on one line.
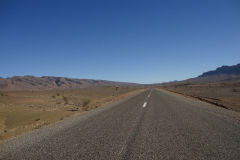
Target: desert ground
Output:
{"points": [[22, 111], [224, 94]]}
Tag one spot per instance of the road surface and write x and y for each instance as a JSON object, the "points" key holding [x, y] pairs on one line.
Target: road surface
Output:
{"points": [[154, 124]]}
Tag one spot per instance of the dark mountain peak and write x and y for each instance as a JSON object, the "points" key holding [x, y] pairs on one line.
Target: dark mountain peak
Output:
{"points": [[224, 70]]}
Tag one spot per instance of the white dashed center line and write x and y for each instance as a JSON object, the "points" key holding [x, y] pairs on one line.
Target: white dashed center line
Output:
{"points": [[144, 104], [149, 94]]}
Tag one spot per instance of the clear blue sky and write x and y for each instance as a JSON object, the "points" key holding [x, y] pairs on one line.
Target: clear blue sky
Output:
{"points": [[123, 40]]}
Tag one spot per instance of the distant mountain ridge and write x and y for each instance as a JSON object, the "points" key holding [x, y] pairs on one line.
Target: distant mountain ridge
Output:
{"points": [[221, 74], [224, 70], [48, 83]]}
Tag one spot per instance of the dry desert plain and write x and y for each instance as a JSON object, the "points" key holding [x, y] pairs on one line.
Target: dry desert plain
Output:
{"points": [[22, 111], [224, 94]]}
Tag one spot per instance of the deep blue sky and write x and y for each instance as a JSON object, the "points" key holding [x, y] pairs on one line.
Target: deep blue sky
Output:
{"points": [[133, 40]]}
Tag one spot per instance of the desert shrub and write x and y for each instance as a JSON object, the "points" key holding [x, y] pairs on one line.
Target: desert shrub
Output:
{"points": [[85, 108], [2, 94], [234, 90], [53, 96], [86, 102], [65, 99], [58, 94], [37, 119]]}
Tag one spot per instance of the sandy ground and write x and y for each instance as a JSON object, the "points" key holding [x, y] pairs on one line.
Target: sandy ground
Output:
{"points": [[223, 94], [21, 111]]}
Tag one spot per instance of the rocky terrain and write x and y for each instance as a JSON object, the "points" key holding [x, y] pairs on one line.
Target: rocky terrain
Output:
{"points": [[224, 70], [20, 83]]}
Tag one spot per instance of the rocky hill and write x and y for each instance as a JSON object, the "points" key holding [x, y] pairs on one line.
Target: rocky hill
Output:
{"points": [[48, 83], [224, 70], [224, 73]]}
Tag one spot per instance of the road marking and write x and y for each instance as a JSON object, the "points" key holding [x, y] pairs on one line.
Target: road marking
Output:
{"points": [[150, 94], [123, 147], [144, 104]]}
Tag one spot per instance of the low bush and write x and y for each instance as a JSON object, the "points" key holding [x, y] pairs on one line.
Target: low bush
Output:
{"points": [[65, 99], [86, 102]]}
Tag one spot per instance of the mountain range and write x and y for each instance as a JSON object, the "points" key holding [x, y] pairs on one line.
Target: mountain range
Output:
{"points": [[224, 70], [48, 83], [224, 73]]}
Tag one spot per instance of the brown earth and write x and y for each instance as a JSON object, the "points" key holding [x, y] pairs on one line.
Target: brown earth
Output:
{"points": [[21, 111], [224, 94]]}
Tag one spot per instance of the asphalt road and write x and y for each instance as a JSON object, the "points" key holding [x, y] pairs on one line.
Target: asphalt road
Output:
{"points": [[151, 125]]}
